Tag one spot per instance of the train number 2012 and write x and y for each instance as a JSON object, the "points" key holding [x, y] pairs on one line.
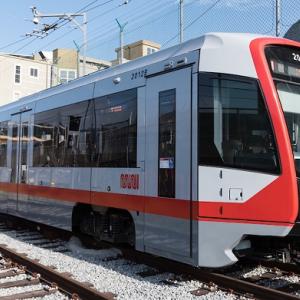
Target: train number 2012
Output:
{"points": [[130, 181], [139, 74]]}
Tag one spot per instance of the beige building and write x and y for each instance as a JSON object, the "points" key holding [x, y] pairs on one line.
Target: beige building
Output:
{"points": [[67, 64], [136, 50], [24, 75], [21, 76]]}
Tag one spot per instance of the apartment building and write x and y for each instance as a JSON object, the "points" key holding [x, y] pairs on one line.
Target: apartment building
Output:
{"points": [[136, 50], [68, 64], [21, 76]]}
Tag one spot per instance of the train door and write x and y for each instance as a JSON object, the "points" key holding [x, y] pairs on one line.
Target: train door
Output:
{"points": [[168, 164], [19, 126]]}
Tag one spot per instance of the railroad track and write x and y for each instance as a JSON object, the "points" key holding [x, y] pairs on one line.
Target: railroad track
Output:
{"points": [[250, 287], [13, 264]]}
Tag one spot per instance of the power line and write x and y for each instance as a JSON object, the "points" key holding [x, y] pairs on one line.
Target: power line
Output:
{"points": [[14, 43], [129, 31], [53, 24], [73, 29], [99, 5], [88, 5], [132, 21], [63, 21], [193, 22], [33, 40], [91, 20]]}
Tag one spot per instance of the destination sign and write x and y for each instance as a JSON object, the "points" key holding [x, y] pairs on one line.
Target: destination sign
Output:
{"points": [[284, 62]]}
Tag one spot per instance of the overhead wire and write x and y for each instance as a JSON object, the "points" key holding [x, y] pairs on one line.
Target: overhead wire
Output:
{"points": [[53, 24], [73, 29], [14, 43], [141, 8], [35, 37], [99, 37], [99, 5], [193, 22], [127, 32], [108, 26]]}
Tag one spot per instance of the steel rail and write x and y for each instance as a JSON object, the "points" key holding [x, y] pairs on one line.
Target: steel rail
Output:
{"points": [[65, 283], [223, 281], [287, 267]]}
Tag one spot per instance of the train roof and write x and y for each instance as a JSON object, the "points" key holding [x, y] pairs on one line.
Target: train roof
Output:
{"points": [[209, 40]]}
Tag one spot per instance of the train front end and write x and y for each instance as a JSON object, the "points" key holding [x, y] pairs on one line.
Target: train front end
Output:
{"points": [[248, 144], [284, 65]]}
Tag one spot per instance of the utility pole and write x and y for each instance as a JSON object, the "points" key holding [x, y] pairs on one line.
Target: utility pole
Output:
{"points": [[37, 16], [181, 21], [78, 58], [121, 56], [278, 17]]}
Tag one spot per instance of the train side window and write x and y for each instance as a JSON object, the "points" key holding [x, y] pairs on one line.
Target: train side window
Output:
{"points": [[74, 123], [62, 136], [234, 128], [44, 140], [3, 143], [116, 130], [93, 133], [167, 143]]}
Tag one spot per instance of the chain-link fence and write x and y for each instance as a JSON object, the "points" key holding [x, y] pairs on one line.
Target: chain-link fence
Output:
{"points": [[158, 20], [255, 16], [201, 16]]}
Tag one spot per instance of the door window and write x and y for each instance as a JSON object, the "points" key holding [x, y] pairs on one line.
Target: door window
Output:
{"points": [[166, 144], [23, 152], [14, 152]]}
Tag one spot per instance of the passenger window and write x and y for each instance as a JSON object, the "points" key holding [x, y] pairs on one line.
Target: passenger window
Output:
{"points": [[95, 133], [44, 140], [234, 126], [60, 136], [116, 130]]}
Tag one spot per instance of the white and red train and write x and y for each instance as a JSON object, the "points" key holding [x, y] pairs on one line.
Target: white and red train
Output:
{"points": [[186, 153]]}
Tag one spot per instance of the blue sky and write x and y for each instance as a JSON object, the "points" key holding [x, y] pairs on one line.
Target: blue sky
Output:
{"points": [[155, 20]]}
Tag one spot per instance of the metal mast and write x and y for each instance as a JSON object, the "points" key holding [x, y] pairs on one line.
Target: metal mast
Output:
{"points": [[278, 17], [181, 21], [37, 16], [121, 56]]}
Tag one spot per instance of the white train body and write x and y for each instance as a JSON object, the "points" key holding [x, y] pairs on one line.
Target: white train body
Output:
{"points": [[184, 152]]}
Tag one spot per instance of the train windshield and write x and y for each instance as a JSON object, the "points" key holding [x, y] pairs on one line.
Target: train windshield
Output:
{"points": [[284, 63]]}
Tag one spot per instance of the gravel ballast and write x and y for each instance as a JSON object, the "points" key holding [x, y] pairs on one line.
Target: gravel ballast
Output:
{"points": [[116, 276]]}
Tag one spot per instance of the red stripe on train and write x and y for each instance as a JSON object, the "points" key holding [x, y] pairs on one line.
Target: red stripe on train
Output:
{"points": [[175, 208]]}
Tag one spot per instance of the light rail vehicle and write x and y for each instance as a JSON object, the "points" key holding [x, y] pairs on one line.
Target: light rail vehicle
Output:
{"points": [[187, 153]]}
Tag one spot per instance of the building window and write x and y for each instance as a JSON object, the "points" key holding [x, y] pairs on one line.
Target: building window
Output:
{"points": [[66, 75], [18, 74], [150, 50], [34, 72]]}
